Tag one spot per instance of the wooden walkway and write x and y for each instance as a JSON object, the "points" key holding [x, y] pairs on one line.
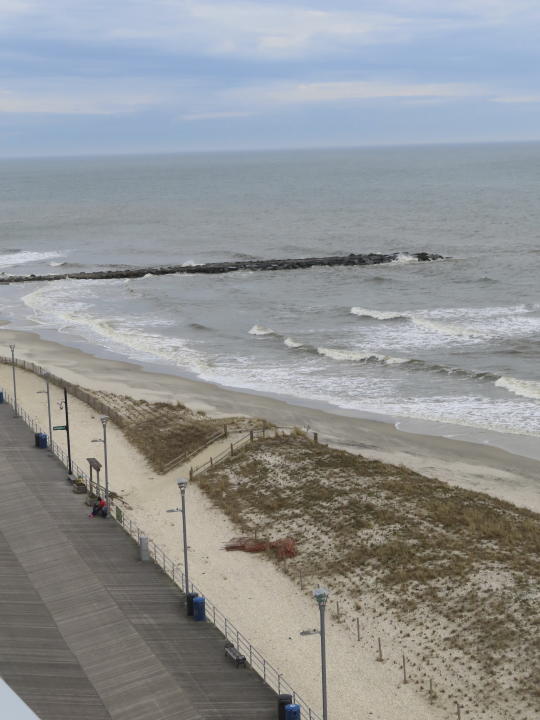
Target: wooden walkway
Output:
{"points": [[87, 632]]}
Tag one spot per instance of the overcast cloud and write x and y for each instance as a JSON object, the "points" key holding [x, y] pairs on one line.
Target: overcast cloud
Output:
{"points": [[165, 75]]}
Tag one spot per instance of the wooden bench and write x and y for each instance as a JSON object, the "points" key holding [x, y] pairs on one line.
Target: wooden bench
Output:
{"points": [[235, 655]]}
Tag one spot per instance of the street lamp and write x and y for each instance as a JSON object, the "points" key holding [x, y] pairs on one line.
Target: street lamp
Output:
{"points": [[46, 377], [321, 596], [182, 485], [15, 412], [104, 421]]}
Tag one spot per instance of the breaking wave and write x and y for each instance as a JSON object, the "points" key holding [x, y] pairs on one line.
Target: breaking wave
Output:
{"points": [[466, 323], [378, 314], [290, 343], [262, 330], [446, 328], [524, 388], [20, 257], [404, 258], [356, 356]]}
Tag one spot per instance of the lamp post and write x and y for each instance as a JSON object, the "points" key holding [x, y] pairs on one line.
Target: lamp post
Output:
{"points": [[104, 421], [182, 485], [15, 411], [46, 378], [321, 596]]}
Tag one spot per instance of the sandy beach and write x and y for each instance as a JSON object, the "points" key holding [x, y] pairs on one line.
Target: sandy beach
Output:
{"points": [[267, 606]]}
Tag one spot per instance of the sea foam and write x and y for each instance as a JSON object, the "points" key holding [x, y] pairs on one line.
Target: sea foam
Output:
{"points": [[524, 388], [261, 330], [26, 256], [356, 356], [290, 343], [377, 314]]}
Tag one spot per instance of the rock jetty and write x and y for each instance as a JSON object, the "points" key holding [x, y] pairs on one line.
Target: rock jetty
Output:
{"points": [[225, 267]]}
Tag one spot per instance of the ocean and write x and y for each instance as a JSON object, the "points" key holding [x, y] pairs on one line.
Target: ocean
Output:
{"points": [[453, 341]]}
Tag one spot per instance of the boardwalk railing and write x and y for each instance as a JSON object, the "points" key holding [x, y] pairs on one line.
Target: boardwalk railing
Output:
{"points": [[271, 676]]}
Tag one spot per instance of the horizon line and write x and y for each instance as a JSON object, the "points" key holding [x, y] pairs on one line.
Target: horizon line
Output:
{"points": [[225, 151]]}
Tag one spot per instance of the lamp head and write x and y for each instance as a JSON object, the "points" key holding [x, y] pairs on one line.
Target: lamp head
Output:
{"points": [[12, 348], [321, 596], [104, 420], [182, 484]]}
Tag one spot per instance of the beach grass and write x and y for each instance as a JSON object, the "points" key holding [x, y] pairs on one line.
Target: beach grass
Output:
{"points": [[456, 573]]}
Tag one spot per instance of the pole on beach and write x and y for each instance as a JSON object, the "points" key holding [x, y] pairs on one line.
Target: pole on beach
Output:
{"points": [[321, 596], [15, 411], [47, 384], [70, 466], [182, 484], [104, 421]]}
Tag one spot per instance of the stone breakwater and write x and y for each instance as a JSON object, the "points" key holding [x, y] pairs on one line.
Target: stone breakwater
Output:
{"points": [[225, 267]]}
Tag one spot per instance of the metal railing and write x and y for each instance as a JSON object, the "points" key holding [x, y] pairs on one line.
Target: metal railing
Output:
{"points": [[184, 457], [271, 676], [251, 436]]}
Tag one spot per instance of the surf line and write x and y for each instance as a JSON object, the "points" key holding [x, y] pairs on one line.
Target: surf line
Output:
{"points": [[226, 267]]}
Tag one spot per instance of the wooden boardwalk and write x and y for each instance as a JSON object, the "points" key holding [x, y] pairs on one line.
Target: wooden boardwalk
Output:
{"points": [[87, 632]]}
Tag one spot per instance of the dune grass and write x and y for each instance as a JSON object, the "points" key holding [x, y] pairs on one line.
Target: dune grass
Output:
{"points": [[458, 571]]}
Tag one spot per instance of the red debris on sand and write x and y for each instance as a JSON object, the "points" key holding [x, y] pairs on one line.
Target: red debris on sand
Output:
{"points": [[286, 547]]}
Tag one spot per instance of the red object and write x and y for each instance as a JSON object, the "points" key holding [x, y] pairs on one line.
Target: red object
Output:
{"points": [[285, 547]]}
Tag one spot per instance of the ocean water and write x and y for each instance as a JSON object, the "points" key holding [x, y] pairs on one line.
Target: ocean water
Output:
{"points": [[454, 341]]}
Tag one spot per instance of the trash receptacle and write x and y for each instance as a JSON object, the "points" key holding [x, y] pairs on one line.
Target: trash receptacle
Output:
{"points": [[189, 602], [43, 441], [1, 397], [199, 611], [292, 712], [283, 700], [36, 439]]}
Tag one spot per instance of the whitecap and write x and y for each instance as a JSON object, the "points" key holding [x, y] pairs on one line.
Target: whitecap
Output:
{"points": [[290, 343], [26, 256], [403, 258], [377, 314], [356, 356], [524, 388], [445, 328], [261, 330]]}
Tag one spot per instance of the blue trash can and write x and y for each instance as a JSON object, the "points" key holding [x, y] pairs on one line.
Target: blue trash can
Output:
{"points": [[199, 611], [1, 397], [283, 700], [36, 439], [190, 597], [292, 712], [43, 441]]}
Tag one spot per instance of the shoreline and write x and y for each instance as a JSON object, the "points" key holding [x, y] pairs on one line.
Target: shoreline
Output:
{"points": [[474, 463]]}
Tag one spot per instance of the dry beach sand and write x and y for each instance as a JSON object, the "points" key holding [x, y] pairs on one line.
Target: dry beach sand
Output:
{"points": [[266, 604]]}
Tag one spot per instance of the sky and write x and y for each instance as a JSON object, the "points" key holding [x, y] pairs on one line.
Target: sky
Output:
{"points": [[127, 76]]}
